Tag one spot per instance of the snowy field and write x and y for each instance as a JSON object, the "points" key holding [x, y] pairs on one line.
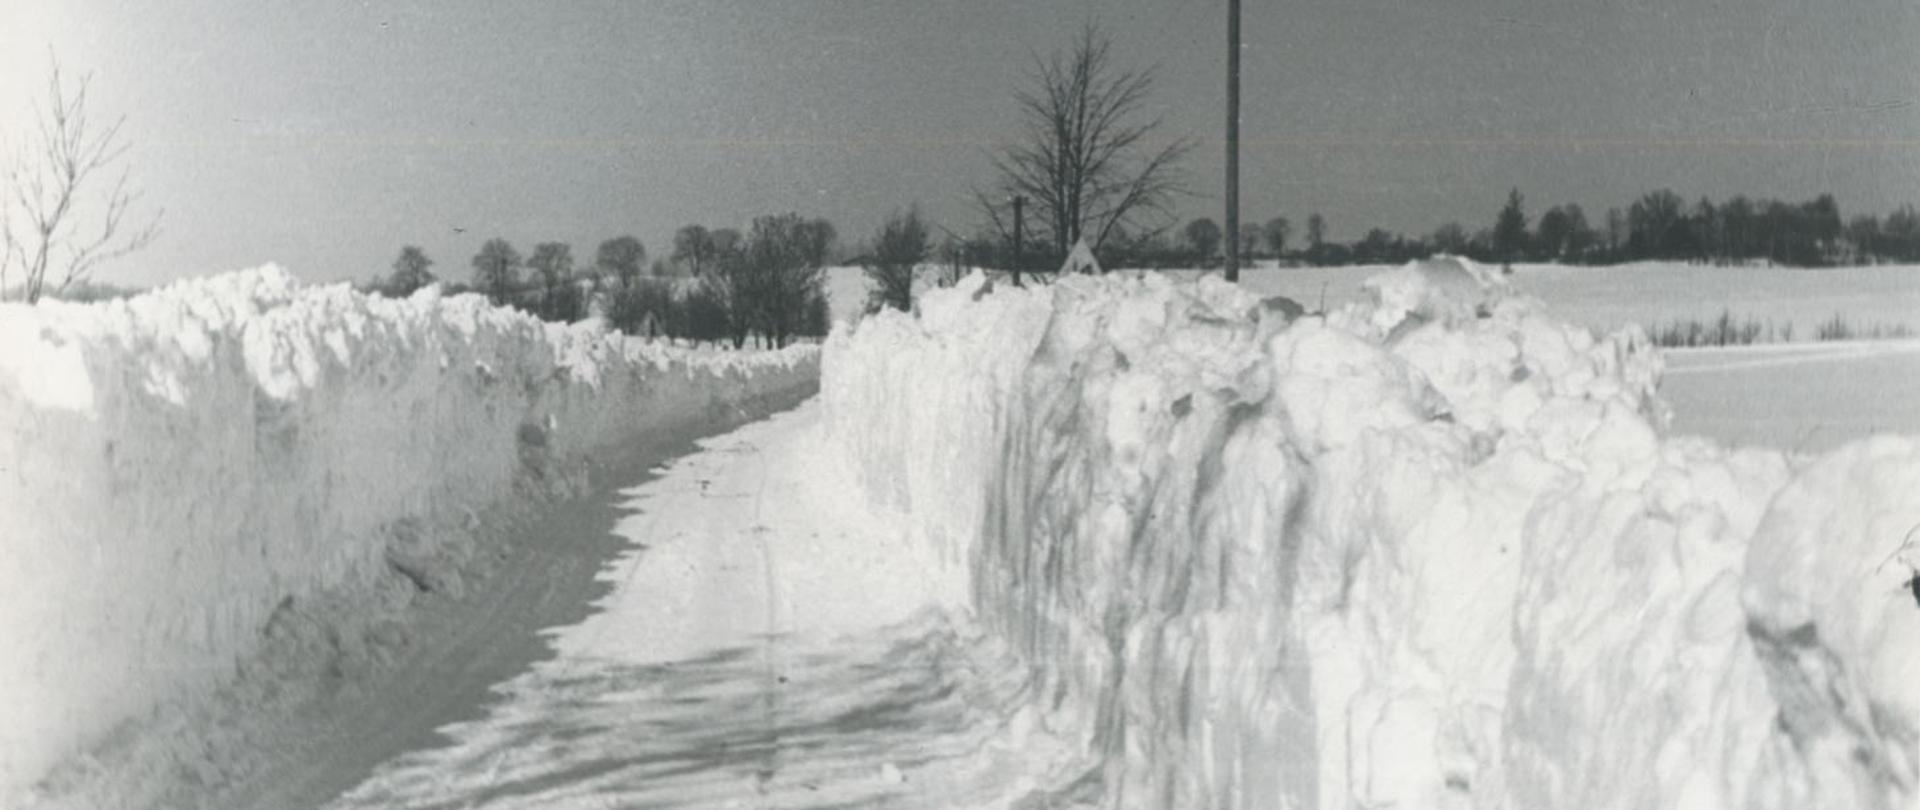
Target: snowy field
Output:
{"points": [[1656, 293], [1802, 397]]}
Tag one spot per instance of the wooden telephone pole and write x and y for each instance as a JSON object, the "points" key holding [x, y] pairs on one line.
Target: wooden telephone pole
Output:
{"points": [[1233, 140], [1019, 220]]}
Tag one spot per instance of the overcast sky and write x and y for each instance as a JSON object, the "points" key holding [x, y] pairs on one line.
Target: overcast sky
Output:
{"points": [[325, 135]]}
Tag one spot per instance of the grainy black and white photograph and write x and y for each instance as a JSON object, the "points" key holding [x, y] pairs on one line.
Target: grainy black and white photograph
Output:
{"points": [[999, 404]]}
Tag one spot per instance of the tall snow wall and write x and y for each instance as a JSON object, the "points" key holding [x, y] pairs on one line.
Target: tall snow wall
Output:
{"points": [[1430, 550], [176, 465]]}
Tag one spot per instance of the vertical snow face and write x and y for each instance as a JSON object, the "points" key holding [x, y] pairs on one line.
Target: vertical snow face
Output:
{"points": [[1429, 550], [176, 465], [1832, 597]]}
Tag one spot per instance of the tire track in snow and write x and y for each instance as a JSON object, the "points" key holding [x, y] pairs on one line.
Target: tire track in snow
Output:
{"points": [[787, 654]]}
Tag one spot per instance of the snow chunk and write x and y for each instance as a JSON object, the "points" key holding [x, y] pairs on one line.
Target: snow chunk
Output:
{"points": [[1449, 289], [44, 368], [1835, 617]]}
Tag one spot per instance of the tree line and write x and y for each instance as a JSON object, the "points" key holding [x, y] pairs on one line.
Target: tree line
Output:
{"points": [[1661, 225], [1657, 226], [1090, 164], [718, 285]]}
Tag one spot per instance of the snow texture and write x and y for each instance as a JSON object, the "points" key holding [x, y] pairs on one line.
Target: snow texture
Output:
{"points": [[1431, 549], [1656, 293], [1735, 394], [176, 466]]}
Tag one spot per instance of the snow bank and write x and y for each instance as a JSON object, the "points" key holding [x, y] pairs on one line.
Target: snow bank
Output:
{"points": [[175, 466], [1429, 550]]}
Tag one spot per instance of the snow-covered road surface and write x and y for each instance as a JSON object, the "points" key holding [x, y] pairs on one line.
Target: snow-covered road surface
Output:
{"points": [[769, 642]]}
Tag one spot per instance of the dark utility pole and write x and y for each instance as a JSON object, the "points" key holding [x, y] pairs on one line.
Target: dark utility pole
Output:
{"points": [[1233, 140], [1019, 219]]}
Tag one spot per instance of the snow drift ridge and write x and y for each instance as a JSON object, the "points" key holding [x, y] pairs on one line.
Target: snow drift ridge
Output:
{"points": [[175, 466], [1430, 550]]}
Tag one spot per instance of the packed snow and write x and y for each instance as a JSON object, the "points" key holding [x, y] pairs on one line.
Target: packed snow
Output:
{"points": [[1434, 548], [178, 467], [849, 289]]}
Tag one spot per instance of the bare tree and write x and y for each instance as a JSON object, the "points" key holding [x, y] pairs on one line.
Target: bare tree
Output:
{"points": [[899, 247], [1450, 238], [693, 248], [817, 238], [410, 272], [560, 300], [553, 261], [1086, 163], [1203, 236], [53, 230], [1249, 240], [768, 284], [1276, 232], [496, 270], [620, 259], [1510, 237]]}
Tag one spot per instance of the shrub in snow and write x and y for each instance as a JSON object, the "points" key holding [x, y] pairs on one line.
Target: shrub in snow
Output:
{"points": [[898, 249], [771, 287], [646, 308], [1427, 550]]}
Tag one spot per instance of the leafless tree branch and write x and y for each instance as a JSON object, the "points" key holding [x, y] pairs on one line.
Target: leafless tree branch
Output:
{"points": [[46, 233], [1083, 160]]}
